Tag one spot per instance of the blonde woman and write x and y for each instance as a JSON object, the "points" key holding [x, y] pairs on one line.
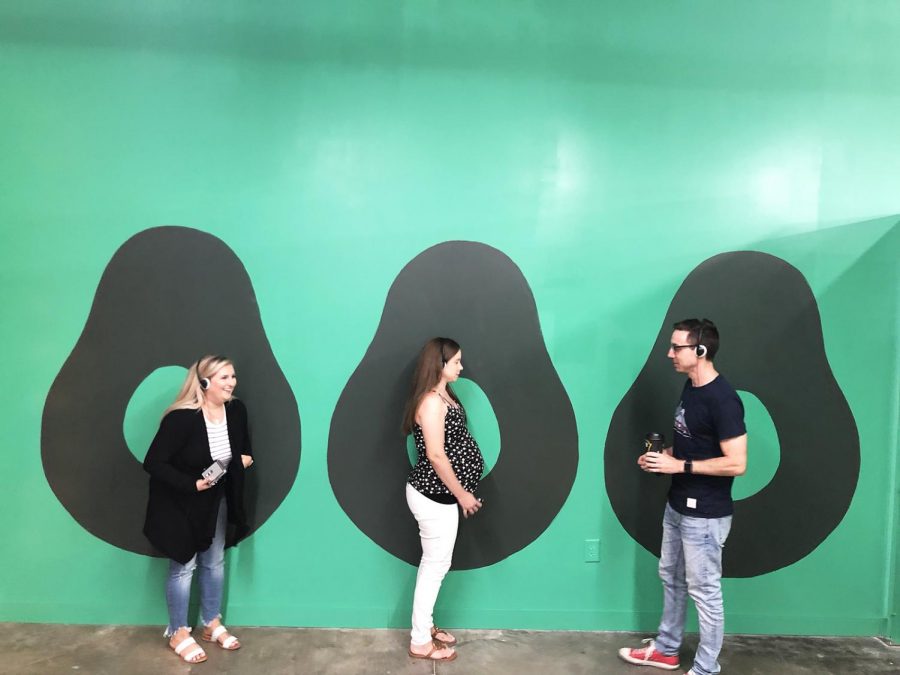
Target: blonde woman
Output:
{"points": [[442, 483], [191, 519]]}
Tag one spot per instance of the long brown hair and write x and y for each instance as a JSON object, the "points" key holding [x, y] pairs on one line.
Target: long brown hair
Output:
{"points": [[434, 355]]}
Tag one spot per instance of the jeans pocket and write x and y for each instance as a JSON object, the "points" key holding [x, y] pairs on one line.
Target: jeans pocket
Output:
{"points": [[723, 528]]}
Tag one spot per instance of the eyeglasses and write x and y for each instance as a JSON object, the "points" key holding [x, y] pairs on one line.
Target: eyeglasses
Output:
{"points": [[677, 348]]}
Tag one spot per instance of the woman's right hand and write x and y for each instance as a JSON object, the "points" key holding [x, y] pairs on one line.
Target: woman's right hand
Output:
{"points": [[203, 484], [469, 504]]}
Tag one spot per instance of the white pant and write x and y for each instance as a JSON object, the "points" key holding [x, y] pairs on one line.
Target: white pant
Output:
{"points": [[438, 524]]}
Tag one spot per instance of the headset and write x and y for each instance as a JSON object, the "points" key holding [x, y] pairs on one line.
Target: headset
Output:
{"points": [[701, 348], [204, 381]]}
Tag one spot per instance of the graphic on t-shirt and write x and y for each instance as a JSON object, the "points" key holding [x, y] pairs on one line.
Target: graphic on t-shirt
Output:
{"points": [[680, 425]]}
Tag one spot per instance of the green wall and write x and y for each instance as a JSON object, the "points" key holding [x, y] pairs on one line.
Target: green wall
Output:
{"points": [[606, 148]]}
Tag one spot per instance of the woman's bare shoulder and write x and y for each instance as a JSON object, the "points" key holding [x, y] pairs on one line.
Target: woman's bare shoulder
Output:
{"points": [[431, 405]]}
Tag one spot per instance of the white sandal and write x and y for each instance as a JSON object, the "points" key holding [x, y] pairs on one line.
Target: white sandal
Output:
{"points": [[189, 656], [228, 643]]}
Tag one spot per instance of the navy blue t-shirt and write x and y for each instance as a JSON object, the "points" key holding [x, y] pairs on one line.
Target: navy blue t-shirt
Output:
{"points": [[704, 416]]}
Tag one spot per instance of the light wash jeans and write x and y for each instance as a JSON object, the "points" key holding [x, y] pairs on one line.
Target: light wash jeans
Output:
{"points": [[691, 564], [438, 524], [211, 580]]}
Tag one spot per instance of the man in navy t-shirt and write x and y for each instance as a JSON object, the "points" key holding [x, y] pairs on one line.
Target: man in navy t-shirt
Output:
{"points": [[709, 450]]}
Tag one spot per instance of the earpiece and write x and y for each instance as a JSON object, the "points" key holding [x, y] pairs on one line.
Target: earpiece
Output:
{"points": [[204, 381], [701, 348]]}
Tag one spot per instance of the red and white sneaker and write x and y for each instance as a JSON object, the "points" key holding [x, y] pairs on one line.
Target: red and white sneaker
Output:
{"points": [[648, 656]]}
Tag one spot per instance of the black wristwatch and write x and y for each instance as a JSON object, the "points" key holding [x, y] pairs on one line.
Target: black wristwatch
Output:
{"points": [[689, 466]]}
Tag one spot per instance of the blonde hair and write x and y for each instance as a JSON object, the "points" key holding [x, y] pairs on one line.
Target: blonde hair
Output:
{"points": [[192, 395]]}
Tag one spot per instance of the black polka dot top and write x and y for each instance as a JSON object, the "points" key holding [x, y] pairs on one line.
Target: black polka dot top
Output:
{"points": [[462, 451]]}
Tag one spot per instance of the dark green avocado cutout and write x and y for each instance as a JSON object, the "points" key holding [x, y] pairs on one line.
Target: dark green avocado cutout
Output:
{"points": [[771, 346], [168, 296], [477, 296]]}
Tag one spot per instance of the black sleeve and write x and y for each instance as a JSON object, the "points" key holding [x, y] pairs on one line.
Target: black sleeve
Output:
{"points": [[728, 417], [172, 436], [241, 412]]}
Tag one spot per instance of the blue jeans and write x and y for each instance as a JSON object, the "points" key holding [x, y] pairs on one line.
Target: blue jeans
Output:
{"points": [[211, 579], [691, 564]]}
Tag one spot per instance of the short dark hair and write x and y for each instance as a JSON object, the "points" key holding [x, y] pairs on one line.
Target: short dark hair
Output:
{"points": [[701, 332]]}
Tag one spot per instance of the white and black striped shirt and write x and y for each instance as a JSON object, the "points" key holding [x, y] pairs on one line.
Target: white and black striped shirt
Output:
{"points": [[219, 445]]}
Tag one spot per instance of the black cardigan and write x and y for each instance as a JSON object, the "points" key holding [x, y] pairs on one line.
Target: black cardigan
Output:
{"points": [[180, 519]]}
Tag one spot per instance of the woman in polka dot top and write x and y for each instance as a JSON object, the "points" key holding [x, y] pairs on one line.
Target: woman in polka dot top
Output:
{"points": [[447, 472]]}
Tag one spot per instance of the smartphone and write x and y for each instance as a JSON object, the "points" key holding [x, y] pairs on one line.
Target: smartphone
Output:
{"points": [[214, 472]]}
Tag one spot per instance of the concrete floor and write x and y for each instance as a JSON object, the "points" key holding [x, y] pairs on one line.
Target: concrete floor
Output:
{"points": [[48, 649]]}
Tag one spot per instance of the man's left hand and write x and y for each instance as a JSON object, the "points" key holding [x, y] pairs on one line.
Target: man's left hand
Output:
{"points": [[660, 462]]}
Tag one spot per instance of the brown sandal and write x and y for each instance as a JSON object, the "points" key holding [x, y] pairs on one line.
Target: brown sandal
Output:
{"points": [[434, 636], [436, 646]]}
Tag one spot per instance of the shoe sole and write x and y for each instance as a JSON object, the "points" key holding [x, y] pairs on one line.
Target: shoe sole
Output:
{"points": [[623, 654], [428, 657]]}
